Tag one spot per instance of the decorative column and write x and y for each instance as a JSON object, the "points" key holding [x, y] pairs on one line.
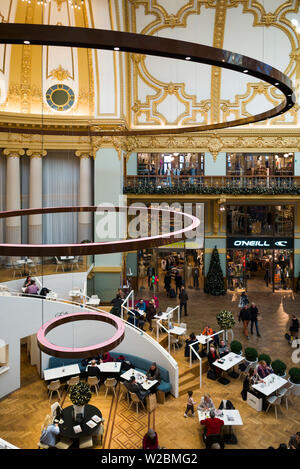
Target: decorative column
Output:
{"points": [[85, 195], [35, 222], [13, 194]]}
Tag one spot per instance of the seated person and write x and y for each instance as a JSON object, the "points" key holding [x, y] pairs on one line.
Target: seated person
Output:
{"points": [[27, 281], [206, 403], [32, 289], [213, 427], [263, 369], [191, 340], [49, 435], [207, 331], [136, 388], [117, 303], [212, 356], [150, 440], [106, 357], [141, 305], [153, 373], [294, 442], [93, 370], [223, 349], [136, 319]]}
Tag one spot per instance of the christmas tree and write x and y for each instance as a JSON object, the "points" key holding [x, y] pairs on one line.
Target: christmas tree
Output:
{"points": [[214, 284]]}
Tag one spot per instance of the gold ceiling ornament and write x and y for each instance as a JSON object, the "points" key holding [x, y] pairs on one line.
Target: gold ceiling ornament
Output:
{"points": [[60, 74], [269, 19], [36, 153], [76, 4]]}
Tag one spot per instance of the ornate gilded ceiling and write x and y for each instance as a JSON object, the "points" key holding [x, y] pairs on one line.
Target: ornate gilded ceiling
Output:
{"points": [[112, 88]]}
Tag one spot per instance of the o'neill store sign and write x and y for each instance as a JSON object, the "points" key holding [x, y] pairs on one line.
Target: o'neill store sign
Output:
{"points": [[260, 243]]}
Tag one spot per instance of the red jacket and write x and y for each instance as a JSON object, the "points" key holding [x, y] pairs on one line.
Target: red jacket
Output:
{"points": [[150, 444], [213, 426]]}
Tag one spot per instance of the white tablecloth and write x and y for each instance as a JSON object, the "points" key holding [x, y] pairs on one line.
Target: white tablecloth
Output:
{"points": [[230, 360], [177, 330], [272, 383], [140, 378], [225, 415], [61, 372]]}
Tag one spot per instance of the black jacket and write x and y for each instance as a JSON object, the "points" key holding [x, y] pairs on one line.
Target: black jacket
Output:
{"points": [[244, 315], [93, 371], [253, 313], [228, 405], [183, 296]]}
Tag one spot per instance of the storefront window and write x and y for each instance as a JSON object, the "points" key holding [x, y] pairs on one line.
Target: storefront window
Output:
{"points": [[260, 220], [170, 164], [246, 164]]}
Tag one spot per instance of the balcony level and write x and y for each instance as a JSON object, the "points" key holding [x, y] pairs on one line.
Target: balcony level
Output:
{"points": [[206, 185]]}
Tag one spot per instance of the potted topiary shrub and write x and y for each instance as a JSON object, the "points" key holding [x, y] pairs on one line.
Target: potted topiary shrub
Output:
{"points": [[226, 321], [80, 395], [279, 368], [236, 347], [251, 354], [264, 357], [295, 380]]}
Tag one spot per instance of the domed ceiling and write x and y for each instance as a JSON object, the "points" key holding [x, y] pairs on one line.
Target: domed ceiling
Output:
{"points": [[65, 84]]}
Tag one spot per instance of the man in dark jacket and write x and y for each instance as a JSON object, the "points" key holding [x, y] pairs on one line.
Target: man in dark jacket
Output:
{"points": [[253, 317], [168, 283], [178, 281], [136, 388], [183, 296], [244, 316], [117, 303], [93, 370]]}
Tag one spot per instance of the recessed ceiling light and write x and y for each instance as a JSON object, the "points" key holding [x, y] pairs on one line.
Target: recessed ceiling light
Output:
{"points": [[26, 42], [245, 71], [116, 48], [188, 58]]}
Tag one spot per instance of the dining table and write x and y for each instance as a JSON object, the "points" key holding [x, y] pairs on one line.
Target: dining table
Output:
{"points": [[89, 424]]}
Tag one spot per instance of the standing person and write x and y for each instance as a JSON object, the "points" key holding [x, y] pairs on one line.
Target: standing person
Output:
{"points": [[190, 405], [294, 328], [196, 273], [244, 316], [150, 440], [243, 300], [150, 312], [183, 296], [253, 317], [178, 281], [117, 303], [168, 283]]}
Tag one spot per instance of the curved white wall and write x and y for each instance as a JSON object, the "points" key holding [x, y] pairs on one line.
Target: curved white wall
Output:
{"points": [[21, 317]]}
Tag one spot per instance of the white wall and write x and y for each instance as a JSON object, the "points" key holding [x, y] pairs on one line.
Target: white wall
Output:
{"points": [[21, 317]]}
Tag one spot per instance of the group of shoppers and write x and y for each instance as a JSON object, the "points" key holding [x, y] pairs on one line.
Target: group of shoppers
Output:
{"points": [[248, 314]]}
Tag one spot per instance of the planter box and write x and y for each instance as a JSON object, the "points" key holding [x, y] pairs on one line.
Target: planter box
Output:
{"points": [[254, 402], [296, 388]]}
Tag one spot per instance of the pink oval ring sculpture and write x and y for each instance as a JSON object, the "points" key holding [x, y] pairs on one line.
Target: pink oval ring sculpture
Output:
{"points": [[81, 352], [40, 250]]}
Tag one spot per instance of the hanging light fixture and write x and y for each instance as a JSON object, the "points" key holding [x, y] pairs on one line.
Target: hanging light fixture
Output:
{"points": [[75, 4]]}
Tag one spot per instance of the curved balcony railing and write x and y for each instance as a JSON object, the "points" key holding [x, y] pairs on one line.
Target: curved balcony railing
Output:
{"points": [[257, 184]]}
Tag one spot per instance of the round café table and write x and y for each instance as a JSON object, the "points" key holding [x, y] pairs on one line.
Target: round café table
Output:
{"points": [[66, 428]]}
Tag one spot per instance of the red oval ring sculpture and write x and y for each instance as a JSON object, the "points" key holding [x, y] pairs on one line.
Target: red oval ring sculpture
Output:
{"points": [[40, 250], [88, 38], [80, 352]]}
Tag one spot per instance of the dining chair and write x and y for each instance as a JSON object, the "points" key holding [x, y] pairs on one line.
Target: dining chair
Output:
{"points": [[274, 401], [284, 393], [124, 392], [64, 443], [136, 400], [174, 342], [54, 387], [59, 264], [110, 383], [72, 381], [97, 436], [93, 381], [85, 442], [74, 262]]}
